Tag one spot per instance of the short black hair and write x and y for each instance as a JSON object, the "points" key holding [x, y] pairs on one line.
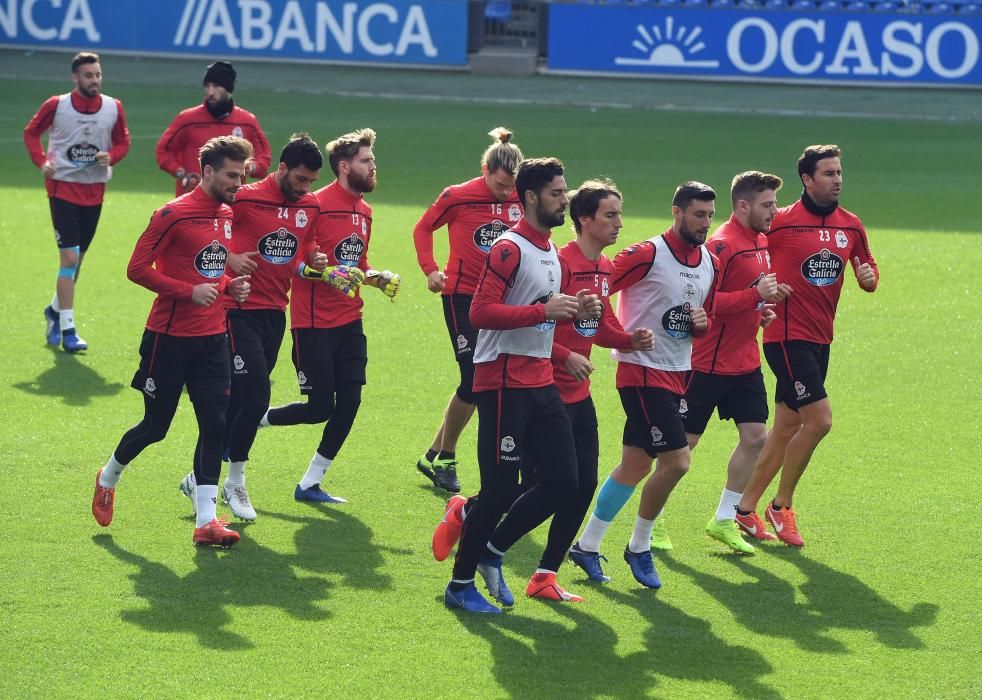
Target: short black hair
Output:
{"points": [[586, 199], [687, 191], [536, 173], [809, 159], [302, 150], [83, 57]]}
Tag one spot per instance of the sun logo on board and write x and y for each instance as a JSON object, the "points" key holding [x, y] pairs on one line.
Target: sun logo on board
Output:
{"points": [[668, 46]]}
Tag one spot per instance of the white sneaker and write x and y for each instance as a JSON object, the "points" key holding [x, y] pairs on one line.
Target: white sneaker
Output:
{"points": [[238, 500], [188, 486]]}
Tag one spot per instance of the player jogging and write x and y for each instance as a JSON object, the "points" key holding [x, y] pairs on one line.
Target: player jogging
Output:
{"points": [[273, 224], [521, 415], [667, 283], [330, 351], [181, 256], [87, 136], [475, 213], [810, 244], [726, 372], [217, 115]]}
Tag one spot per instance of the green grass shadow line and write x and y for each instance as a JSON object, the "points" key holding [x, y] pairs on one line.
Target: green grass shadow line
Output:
{"points": [[71, 379]]}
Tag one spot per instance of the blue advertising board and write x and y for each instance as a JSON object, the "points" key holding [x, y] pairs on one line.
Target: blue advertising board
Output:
{"points": [[827, 47], [380, 31]]}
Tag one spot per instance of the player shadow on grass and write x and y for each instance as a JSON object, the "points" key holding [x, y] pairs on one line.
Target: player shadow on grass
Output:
{"points": [[841, 601], [766, 605], [684, 647], [74, 381], [196, 603], [335, 542]]}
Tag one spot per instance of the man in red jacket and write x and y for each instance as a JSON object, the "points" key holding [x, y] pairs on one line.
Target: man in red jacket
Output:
{"points": [[810, 243], [181, 256], [88, 135], [475, 213], [217, 115], [726, 374]]}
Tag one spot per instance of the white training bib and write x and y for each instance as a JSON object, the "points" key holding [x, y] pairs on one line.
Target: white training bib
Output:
{"points": [[75, 138]]}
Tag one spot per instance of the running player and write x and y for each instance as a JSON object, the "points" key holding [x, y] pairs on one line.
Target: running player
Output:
{"points": [[522, 417], [726, 372], [217, 115], [273, 224], [475, 214], [810, 243], [668, 283], [330, 352], [181, 256], [88, 136]]}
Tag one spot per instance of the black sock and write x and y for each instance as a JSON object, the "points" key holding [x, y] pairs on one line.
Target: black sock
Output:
{"points": [[454, 586], [775, 506], [444, 455], [743, 512], [430, 454]]}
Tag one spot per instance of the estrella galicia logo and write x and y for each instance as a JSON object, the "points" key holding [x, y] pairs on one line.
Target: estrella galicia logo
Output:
{"points": [[676, 321], [822, 268], [210, 261], [545, 325], [82, 154], [278, 247], [587, 327], [349, 250], [487, 234]]}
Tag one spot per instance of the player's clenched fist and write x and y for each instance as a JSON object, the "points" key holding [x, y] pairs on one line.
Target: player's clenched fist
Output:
{"points": [[344, 278], [589, 305], [561, 307], [204, 294], [698, 318], [239, 288], [865, 275], [387, 282], [642, 339]]}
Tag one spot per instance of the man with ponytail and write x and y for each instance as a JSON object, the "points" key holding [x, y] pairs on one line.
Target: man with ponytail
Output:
{"points": [[475, 213]]}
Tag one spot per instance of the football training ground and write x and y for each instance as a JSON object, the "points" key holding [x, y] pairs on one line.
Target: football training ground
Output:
{"points": [[346, 601]]}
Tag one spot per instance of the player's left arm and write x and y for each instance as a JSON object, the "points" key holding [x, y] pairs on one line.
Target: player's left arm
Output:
{"points": [[863, 264], [120, 136], [262, 154]]}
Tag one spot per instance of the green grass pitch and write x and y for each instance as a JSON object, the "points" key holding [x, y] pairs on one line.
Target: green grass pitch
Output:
{"points": [[346, 601]]}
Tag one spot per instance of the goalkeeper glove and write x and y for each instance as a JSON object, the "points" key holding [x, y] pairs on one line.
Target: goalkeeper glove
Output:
{"points": [[342, 277], [387, 282]]}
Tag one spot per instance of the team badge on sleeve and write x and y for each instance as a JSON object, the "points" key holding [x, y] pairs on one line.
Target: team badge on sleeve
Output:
{"points": [[301, 218]]}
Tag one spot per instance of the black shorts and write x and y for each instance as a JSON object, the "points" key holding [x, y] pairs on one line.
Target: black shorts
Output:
{"points": [[463, 336], [74, 224], [800, 368], [741, 397], [583, 418], [326, 357], [254, 339], [168, 363], [653, 423]]}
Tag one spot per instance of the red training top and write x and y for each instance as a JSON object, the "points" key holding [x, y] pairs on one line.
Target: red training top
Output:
{"points": [[474, 219], [81, 193], [579, 336], [488, 310], [280, 231], [630, 266], [179, 145], [730, 345], [343, 232], [185, 245], [809, 247]]}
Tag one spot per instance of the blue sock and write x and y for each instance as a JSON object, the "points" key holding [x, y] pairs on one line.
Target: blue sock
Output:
{"points": [[611, 499]]}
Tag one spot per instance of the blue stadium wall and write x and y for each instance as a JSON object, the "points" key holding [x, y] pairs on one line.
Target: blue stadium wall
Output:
{"points": [[686, 39]]}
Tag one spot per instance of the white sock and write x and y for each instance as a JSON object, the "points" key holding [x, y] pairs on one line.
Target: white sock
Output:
{"points": [[726, 510], [67, 318], [206, 503], [236, 473], [540, 570], [54, 302], [641, 539], [593, 534], [110, 473], [316, 470], [264, 421]]}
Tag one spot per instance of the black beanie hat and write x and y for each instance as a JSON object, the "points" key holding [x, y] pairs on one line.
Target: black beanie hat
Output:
{"points": [[221, 73]]}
